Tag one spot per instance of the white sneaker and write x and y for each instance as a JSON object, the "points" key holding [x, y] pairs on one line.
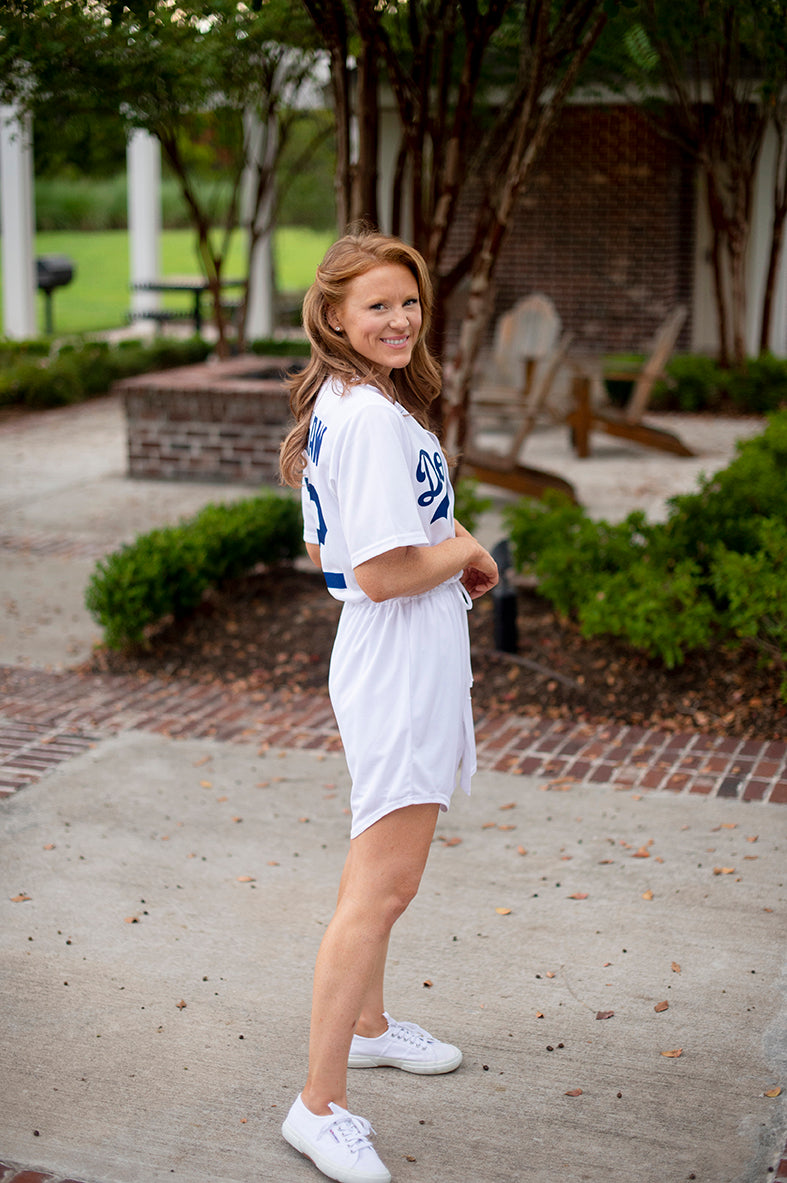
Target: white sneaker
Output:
{"points": [[406, 1046], [338, 1144]]}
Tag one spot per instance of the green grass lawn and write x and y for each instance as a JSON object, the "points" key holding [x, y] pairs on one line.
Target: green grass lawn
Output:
{"points": [[98, 298]]}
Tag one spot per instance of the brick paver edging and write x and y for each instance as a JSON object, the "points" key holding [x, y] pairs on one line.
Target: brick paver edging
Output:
{"points": [[46, 718]]}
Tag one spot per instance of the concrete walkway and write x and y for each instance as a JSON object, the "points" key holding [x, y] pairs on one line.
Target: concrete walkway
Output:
{"points": [[161, 902]]}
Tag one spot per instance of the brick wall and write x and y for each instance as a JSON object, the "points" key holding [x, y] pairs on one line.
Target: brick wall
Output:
{"points": [[606, 230], [209, 422]]}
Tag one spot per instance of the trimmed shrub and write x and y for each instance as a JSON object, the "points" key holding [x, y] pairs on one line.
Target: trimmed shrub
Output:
{"points": [[86, 370], [714, 571], [697, 383], [166, 571], [469, 504]]}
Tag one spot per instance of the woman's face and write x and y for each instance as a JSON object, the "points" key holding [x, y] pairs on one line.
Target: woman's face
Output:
{"points": [[380, 315]]}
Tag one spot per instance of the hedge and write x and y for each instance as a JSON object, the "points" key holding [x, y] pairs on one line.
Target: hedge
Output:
{"points": [[166, 571], [77, 372], [714, 572]]}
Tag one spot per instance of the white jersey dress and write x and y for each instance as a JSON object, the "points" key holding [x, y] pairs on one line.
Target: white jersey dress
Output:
{"points": [[400, 670]]}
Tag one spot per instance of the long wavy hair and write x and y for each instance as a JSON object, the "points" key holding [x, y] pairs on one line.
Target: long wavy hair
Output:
{"points": [[416, 385]]}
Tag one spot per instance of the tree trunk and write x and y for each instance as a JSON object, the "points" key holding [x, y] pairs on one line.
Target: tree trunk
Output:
{"points": [[718, 225], [777, 235], [364, 188], [528, 139]]}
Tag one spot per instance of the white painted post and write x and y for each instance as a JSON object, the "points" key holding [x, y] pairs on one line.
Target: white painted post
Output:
{"points": [[143, 162], [261, 154], [17, 224]]}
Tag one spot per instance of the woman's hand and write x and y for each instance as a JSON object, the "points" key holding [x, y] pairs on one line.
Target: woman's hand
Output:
{"points": [[411, 570], [481, 573]]}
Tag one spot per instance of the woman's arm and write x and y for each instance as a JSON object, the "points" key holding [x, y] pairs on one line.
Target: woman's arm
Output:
{"points": [[313, 551], [410, 570]]}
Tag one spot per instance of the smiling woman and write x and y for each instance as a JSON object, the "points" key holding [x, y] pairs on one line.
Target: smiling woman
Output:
{"points": [[381, 316], [379, 522]]}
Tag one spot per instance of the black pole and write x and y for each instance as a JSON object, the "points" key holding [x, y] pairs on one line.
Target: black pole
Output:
{"points": [[504, 602]]}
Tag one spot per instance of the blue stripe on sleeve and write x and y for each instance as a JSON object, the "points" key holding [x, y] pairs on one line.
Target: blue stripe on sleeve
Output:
{"points": [[334, 579]]}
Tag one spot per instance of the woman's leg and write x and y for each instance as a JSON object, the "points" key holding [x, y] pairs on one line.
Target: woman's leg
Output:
{"points": [[380, 878], [371, 1018]]}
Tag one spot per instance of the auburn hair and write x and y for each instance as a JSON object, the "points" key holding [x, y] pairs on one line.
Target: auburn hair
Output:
{"points": [[416, 385]]}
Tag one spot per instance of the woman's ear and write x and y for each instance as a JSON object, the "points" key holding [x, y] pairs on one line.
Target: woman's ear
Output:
{"points": [[333, 320]]}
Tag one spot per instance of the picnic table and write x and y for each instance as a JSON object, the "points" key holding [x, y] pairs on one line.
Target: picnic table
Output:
{"points": [[196, 285]]}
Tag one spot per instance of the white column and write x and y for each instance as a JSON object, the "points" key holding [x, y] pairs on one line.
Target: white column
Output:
{"points": [[143, 162], [17, 224], [261, 154]]}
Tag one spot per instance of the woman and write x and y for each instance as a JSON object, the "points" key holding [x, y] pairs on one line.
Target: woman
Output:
{"points": [[378, 520]]}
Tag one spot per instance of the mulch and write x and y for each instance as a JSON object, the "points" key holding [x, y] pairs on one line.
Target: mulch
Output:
{"points": [[273, 630]]}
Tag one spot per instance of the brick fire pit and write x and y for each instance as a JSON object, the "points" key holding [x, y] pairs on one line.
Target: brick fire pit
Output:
{"points": [[217, 421]]}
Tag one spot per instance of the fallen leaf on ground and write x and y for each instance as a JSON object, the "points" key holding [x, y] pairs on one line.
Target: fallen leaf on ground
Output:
{"points": [[675, 967], [510, 805], [503, 911], [605, 1014], [752, 837], [206, 784], [775, 1092], [246, 879], [181, 1005], [428, 983], [521, 850], [647, 895], [723, 870], [673, 1055], [20, 899], [573, 1093], [49, 846], [643, 852], [550, 973], [579, 895], [661, 1006], [451, 841]]}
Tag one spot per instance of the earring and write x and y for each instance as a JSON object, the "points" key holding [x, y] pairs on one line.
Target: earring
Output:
{"points": [[336, 328]]}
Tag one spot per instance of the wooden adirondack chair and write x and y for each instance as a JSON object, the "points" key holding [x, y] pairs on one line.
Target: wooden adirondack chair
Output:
{"points": [[628, 422], [528, 352]]}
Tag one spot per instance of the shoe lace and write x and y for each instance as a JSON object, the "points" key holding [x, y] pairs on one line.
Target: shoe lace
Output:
{"points": [[410, 1033], [351, 1130]]}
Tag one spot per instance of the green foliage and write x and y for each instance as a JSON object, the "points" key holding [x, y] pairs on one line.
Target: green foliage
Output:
{"points": [[469, 504], [14, 352], [693, 383], [760, 386], [752, 587], [166, 571], [697, 383], [78, 372], [714, 571]]}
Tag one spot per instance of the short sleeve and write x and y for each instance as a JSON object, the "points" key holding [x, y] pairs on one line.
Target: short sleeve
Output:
{"points": [[311, 525], [374, 485]]}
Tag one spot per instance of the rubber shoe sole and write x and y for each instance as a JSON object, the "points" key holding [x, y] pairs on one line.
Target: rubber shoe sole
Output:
{"points": [[419, 1067]]}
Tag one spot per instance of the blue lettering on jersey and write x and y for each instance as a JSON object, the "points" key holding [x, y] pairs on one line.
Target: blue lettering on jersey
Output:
{"points": [[322, 528], [317, 432], [431, 469]]}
